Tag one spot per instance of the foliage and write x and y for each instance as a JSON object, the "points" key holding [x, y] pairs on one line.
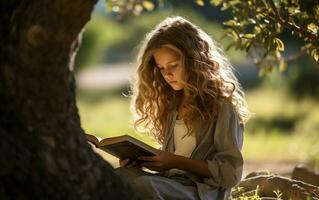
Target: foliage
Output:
{"points": [[127, 8], [99, 34], [303, 79], [257, 27], [108, 40], [278, 193], [253, 195]]}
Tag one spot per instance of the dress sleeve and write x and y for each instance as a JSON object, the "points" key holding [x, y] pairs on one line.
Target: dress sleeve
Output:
{"points": [[227, 164]]}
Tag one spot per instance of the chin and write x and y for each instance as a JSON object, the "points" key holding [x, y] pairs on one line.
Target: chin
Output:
{"points": [[177, 88]]}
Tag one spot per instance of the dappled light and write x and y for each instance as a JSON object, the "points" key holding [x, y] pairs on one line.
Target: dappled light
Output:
{"points": [[284, 121], [194, 99]]}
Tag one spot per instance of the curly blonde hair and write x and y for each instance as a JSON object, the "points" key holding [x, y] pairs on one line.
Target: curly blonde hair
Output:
{"points": [[209, 79]]}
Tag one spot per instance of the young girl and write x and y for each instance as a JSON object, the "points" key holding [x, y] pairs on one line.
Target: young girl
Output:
{"points": [[187, 96]]}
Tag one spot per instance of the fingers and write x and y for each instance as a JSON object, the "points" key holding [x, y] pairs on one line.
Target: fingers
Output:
{"points": [[124, 162], [151, 164], [127, 163], [147, 158]]}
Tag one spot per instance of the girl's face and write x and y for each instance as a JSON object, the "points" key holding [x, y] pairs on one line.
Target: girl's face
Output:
{"points": [[169, 63]]}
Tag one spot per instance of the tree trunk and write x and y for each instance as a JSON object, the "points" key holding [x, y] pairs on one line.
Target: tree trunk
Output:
{"points": [[44, 154]]}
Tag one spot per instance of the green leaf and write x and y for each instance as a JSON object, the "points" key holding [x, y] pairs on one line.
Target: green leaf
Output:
{"points": [[257, 30], [231, 23], [148, 5], [313, 28], [278, 27], [200, 2], [216, 2], [249, 36], [279, 44], [314, 54], [293, 10], [248, 45], [252, 21], [234, 35]]}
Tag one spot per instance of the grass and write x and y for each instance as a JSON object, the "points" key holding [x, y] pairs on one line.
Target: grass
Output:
{"points": [[105, 118], [279, 147], [282, 129], [109, 117]]}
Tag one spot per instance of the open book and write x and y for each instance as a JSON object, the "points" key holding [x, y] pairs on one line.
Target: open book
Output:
{"points": [[123, 146]]}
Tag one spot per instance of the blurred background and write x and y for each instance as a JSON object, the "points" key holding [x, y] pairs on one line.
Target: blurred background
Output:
{"points": [[284, 130]]}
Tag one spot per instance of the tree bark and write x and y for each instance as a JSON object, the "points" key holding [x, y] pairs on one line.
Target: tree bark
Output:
{"points": [[44, 152]]}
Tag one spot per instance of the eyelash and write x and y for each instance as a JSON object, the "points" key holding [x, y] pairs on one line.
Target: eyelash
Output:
{"points": [[173, 66]]}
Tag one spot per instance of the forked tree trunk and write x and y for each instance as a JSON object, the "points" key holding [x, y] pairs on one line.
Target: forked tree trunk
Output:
{"points": [[44, 154]]}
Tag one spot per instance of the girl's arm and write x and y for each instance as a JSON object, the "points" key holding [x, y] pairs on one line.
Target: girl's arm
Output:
{"points": [[198, 167], [166, 161]]}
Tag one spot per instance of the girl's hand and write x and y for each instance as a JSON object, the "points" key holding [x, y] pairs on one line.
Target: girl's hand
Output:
{"points": [[162, 161], [126, 163]]}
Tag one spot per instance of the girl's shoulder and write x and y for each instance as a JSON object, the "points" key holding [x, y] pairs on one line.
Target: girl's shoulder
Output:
{"points": [[226, 109], [225, 104]]}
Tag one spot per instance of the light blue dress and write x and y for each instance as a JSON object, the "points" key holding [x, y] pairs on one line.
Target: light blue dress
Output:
{"points": [[219, 144]]}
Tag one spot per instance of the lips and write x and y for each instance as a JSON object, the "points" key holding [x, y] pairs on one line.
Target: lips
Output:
{"points": [[170, 82]]}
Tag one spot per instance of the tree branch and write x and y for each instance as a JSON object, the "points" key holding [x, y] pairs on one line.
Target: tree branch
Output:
{"points": [[290, 26]]}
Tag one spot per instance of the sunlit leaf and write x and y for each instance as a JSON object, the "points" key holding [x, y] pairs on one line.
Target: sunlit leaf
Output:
{"points": [[293, 10], [200, 2], [314, 54], [257, 30], [279, 44], [256, 22], [252, 21], [148, 5], [216, 2], [313, 28], [249, 36], [278, 27], [231, 23], [234, 35]]}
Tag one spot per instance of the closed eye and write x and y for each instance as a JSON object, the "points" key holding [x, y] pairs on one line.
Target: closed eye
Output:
{"points": [[173, 66], [170, 67]]}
